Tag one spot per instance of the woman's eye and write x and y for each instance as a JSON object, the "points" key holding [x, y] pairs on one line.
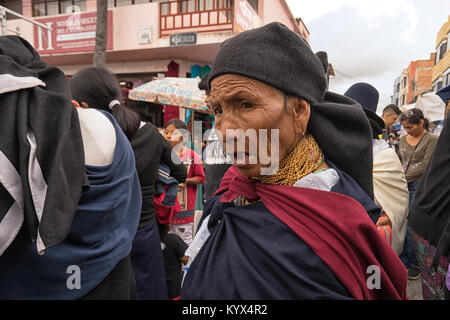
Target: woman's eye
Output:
{"points": [[217, 110], [246, 105]]}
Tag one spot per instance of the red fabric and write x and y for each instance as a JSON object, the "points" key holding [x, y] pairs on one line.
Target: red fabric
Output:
{"points": [[335, 226], [165, 214], [171, 112], [195, 170], [76, 104], [172, 69]]}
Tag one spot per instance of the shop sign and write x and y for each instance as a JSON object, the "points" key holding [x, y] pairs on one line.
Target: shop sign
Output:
{"points": [[246, 17], [183, 39], [145, 35], [70, 33]]}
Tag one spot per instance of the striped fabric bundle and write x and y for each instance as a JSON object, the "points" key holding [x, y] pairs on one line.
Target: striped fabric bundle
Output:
{"points": [[386, 231]]}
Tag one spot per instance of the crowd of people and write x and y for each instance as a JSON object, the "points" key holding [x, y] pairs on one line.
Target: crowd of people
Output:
{"points": [[97, 204]]}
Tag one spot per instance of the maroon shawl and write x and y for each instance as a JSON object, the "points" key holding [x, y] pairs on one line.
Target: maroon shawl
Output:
{"points": [[335, 226]]}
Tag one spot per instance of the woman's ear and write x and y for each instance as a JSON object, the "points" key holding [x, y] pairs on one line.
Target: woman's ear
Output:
{"points": [[301, 112], [422, 123]]}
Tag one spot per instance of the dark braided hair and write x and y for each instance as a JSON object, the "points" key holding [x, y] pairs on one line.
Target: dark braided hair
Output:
{"points": [[414, 116], [98, 87]]}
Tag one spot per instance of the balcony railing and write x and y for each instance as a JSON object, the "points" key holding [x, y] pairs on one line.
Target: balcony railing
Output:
{"points": [[195, 15]]}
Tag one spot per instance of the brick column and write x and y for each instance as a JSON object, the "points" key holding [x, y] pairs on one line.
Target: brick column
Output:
{"points": [[27, 9]]}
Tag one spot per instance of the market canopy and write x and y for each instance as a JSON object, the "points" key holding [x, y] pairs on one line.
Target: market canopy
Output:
{"points": [[180, 92]]}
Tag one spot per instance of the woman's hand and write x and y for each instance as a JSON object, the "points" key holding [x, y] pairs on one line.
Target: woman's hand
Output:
{"points": [[193, 180], [384, 220]]}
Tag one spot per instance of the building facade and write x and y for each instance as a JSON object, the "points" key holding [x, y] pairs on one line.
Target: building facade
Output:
{"points": [[419, 78], [414, 81], [401, 89], [146, 38], [441, 70]]}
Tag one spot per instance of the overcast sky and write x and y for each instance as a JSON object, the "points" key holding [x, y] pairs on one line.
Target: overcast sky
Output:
{"points": [[372, 40]]}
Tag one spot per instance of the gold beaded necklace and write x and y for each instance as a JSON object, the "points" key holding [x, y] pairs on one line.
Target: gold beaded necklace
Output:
{"points": [[306, 158]]}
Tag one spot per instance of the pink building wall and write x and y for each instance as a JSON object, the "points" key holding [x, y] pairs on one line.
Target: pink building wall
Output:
{"points": [[146, 16], [129, 55], [277, 11]]}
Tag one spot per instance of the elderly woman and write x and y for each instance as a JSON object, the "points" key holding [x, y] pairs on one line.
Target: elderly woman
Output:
{"points": [[284, 235]]}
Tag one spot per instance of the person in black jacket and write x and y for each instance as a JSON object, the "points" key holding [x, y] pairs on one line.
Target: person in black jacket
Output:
{"points": [[151, 149], [98, 88], [174, 252]]}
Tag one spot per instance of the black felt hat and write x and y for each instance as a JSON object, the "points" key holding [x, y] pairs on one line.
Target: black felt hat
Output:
{"points": [[367, 96], [323, 57], [203, 84], [276, 56], [279, 57]]}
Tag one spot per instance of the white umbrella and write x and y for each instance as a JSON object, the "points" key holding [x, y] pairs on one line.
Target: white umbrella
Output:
{"points": [[180, 92]]}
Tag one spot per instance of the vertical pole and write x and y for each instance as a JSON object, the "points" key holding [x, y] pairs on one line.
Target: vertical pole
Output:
{"points": [[3, 20], [101, 34]]}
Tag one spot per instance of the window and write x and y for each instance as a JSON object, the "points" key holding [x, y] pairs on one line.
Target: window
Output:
{"points": [[119, 3], [435, 84], [188, 6], [223, 4], [203, 5], [14, 5], [448, 37], [441, 50], [404, 82], [446, 78], [53, 7], [69, 6], [254, 4], [438, 84]]}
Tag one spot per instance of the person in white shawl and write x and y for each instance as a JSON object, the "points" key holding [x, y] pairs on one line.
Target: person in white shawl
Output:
{"points": [[391, 191], [389, 182]]}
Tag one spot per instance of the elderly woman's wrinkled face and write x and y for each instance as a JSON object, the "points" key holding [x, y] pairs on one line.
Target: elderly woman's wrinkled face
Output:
{"points": [[260, 111]]}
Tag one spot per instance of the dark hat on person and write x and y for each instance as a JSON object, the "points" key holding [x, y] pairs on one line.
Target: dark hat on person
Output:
{"points": [[279, 57], [323, 57], [276, 56], [367, 96], [203, 84]]}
